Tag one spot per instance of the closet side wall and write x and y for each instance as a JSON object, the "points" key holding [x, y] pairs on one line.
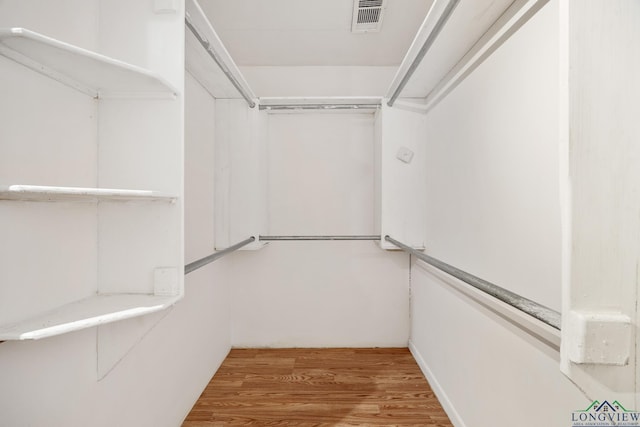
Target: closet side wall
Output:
{"points": [[493, 210]]}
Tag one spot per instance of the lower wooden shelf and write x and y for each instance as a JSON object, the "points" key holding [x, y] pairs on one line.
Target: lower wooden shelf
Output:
{"points": [[93, 311]]}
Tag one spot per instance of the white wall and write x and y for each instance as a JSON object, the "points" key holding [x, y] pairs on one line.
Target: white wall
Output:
{"points": [[53, 382], [36, 136], [493, 210], [398, 181], [159, 379], [321, 294], [318, 80], [240, 173], [199, 158]]}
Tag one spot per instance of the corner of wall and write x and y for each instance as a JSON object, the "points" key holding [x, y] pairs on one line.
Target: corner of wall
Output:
{"points": [[444, 400]]}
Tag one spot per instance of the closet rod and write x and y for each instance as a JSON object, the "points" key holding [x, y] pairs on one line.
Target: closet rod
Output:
{"points": [[214, 256], [207, 46], [433, 35], [303, 238], [532, 308], [319, 106]]}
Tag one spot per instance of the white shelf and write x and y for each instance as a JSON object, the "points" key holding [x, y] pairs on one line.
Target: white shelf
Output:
{"points": [[86, 313], [96, 75], [471, 25], [202, 66], [117, 123], [49, 193]]}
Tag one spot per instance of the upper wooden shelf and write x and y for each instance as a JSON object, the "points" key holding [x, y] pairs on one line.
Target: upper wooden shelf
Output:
{"points": [[94, 74], [50, 193]]}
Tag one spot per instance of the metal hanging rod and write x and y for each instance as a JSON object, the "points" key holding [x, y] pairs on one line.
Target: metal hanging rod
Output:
{"points": [[304, 238], [320, 103], [433, 35], [293, 107], [532, 308], [216, 58], [216, 255]]}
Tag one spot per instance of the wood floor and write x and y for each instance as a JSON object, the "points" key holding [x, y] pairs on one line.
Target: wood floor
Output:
{"points": [[318, 387]]}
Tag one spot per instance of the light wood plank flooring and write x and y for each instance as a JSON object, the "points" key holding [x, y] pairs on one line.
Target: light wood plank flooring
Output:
{"points": [[318, 387]]}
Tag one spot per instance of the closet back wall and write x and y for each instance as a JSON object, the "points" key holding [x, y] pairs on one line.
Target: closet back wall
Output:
{"points": [[319, 80], [321, 293]]}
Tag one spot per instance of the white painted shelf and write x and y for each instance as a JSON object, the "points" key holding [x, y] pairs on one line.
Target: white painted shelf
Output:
{"points": [[86, 313], [474, 30], [200, 64], [112, 111], [51, 193], [94, 74]]}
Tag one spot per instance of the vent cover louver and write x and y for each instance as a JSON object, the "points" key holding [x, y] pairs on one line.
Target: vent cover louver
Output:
{"points": [[367, 15]]}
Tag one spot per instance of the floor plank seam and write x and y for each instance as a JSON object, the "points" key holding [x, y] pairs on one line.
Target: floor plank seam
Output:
{"points": [[318, 387]]}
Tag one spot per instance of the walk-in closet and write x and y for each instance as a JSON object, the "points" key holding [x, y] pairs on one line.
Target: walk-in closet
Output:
{"points": [[319, 213]]}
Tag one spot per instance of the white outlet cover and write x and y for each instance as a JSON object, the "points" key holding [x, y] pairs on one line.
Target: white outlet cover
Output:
{"points": [[404, 155], [165, 6]]}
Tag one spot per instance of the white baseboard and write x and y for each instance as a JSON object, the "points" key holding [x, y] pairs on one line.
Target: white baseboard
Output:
{"points": [[448, 407]]}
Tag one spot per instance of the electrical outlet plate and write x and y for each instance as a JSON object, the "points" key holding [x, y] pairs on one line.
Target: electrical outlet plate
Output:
{"points": [[404, 155]]}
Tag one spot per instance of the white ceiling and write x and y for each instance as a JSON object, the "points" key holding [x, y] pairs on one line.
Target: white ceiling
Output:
{"points": [[312, 32]]}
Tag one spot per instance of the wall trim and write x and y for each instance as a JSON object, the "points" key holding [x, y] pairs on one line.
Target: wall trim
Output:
{"points": [[446, 403]]}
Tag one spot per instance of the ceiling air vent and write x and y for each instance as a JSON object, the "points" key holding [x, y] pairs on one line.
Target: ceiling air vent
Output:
{"points": [[367, 15]]}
